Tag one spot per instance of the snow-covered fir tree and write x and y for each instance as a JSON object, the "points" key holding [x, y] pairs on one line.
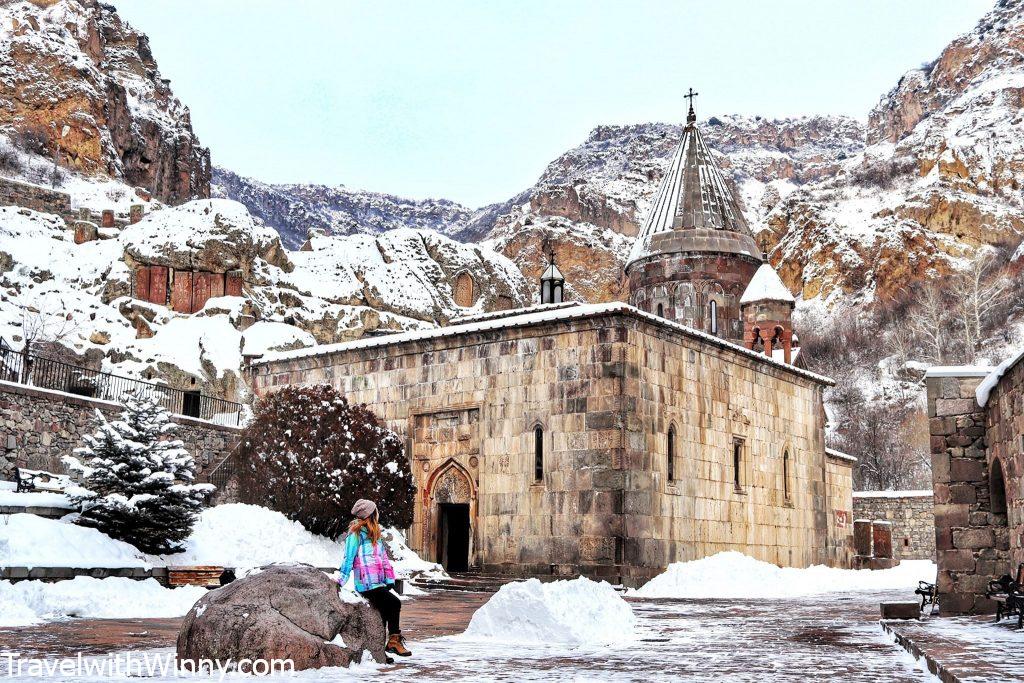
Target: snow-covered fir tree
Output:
{"points": [[138, 482]]}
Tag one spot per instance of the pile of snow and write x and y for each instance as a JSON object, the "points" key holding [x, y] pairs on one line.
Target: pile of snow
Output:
{"points": [[236, 535], [29, 602], [406, 562], [570, 613], [241, 535], [41, 499], [735, 575], [31, 541]]}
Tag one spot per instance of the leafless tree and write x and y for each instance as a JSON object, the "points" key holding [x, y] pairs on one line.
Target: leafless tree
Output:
{"points": [[929, 320], [979, 291]]}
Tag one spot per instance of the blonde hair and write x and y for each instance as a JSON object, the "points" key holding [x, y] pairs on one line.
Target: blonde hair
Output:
{"points": [[370, 525]]}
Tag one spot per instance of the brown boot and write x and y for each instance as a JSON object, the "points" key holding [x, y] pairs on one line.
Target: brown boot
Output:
{"points": [[396, 645]]}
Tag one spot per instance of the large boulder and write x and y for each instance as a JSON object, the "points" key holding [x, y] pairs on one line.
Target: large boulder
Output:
{"points": [[286, 611]]}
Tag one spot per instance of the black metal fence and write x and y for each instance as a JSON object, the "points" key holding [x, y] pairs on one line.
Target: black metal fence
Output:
{"points": [[29, 369]]}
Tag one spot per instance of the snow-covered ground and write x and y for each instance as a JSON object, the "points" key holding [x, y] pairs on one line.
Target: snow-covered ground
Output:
{"points": [[735, 575], [236, 535], [570, 613], [29, 602]]}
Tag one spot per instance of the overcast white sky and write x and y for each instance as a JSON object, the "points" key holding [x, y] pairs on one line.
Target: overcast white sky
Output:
{"points": [[469, 100]]}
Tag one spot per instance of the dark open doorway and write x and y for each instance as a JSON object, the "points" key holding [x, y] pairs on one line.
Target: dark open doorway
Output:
{"points": [[453, 536]]}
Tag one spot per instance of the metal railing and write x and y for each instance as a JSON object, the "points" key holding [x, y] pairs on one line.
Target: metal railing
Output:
{"points": [[34, 370]]}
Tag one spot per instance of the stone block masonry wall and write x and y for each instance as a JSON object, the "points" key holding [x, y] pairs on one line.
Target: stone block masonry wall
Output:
{"points": [[912, 516], [971, 543], [13, 193], [1005, 433], [39, 426]]}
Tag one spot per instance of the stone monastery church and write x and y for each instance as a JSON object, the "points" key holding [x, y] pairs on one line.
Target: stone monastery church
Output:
{"points": [[613, 439]]}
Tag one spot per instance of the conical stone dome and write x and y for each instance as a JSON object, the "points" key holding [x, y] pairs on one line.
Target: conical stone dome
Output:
{"points": [[695, 254]]}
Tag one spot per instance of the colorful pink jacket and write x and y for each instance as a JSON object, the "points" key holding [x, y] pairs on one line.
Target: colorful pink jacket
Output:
{"points": [[368, 560]]}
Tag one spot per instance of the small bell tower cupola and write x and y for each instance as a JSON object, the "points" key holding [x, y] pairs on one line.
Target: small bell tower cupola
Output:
{"points": [[552, 283], [767, 310]]}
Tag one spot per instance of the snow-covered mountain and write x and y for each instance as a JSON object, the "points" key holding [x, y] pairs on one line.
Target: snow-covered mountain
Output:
{"points": [[295, 209], [342, 287], [80, 86]]}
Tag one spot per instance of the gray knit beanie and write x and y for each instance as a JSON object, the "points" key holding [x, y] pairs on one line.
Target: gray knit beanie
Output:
{"points": [[363, 508]]}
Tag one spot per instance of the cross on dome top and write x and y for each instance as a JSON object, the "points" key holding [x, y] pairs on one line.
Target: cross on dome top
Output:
{"points": [[690, 115]]}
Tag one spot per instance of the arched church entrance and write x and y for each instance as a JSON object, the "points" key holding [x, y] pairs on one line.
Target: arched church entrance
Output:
{"points": [[451, 498]]}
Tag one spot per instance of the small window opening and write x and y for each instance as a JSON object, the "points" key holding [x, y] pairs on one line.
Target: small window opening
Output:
{"points": [[671, 453], [737, 463], [785, 473], [714, 317], [538, 454], [661, 310]]}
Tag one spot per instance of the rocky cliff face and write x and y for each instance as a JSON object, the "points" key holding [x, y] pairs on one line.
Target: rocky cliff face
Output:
{"points": [[940, 179], [296, 209], [82, 86]]}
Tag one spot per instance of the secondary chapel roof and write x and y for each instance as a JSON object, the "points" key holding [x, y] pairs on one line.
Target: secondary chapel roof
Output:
{"points": [[525, 318], [766, 285]]}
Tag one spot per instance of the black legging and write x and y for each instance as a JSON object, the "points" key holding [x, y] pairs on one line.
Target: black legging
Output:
{"points": [[389, 606]]}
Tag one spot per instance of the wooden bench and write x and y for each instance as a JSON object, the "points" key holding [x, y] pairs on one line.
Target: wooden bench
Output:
{"points": [[206, 576], [929, 595], [33, 481], [1008, 594]]}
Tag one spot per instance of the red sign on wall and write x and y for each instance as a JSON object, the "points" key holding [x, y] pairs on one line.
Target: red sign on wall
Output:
{"points": [[842, 518]]}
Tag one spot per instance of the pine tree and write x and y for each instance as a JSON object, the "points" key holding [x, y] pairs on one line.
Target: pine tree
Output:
{"points": [[138, 481], [310, 454]]}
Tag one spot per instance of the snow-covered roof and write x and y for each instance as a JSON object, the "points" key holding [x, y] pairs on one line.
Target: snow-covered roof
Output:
{"points": [[529, 317], [693, 195], [917, 493], [839, 455], [509, 313], [766, 285], [984, 389]]}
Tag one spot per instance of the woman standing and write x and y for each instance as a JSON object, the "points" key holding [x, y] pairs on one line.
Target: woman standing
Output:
{"points": [[366, 557]]}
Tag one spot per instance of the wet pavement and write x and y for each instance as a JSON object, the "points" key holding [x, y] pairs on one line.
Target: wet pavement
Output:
{"points": [[966, 649], [816, 638]]}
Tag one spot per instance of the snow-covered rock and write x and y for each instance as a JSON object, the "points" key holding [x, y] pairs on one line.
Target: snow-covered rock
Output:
{"points": [[570, 613], [738, 576]]}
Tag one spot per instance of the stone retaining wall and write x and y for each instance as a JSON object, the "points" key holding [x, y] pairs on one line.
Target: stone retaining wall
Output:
{"points": [[972, 541], [40, 426], [13, 193], [912, 515]]}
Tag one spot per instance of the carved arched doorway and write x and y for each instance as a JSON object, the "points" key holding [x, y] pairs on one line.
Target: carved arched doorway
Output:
{"points": [[452, 510]]}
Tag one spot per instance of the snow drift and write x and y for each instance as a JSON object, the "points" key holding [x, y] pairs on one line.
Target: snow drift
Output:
{"points": [[31, 541], [29, 602], [570, 613], [234, 535], [735, 575]]}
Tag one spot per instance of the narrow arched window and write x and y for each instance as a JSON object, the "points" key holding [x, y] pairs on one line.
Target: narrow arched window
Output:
{"points": [[671, 450], [713, 310], [538, 453], [785, 473], [997, 489], [661, 310]]}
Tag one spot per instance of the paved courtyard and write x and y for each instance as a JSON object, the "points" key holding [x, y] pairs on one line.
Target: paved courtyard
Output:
{"points": [[686, 640]]}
